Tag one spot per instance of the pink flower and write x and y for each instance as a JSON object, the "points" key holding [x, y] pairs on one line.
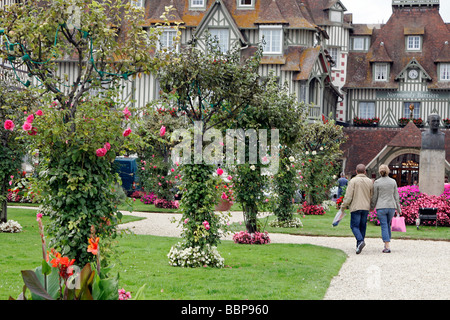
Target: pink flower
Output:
{"points": [[186, 220], [219, 171], [162, 131], [38, 216], [206, 224], [9, 125], [229, 178], [39, 113], [127, 132], [26, 126], [224, 196], [32, 131], [101, 152], [126, 113], [30, 118], [107, 146], [10, 182], [172, 169]]}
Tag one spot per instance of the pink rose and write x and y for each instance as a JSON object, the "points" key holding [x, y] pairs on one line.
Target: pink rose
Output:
{"points": [[229, 178], [126, 113], [219, 171], [127, 132], [32, 131], [172, 169], [107, 146], [9, 125], [186, 220], [39, 113], [101, 152], [206, 224], [38, 216], [26, 126], [224, 196], [30, 118], [162, 131]]}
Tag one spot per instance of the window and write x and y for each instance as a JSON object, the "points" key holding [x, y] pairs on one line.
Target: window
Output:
{"points": [[416, 111], [272, 39], [166, 40], [381, 71], [360, 43], [334, 53], [413, 43], [335, 16], [197, 3], [245, 3], [222, 36], [367, 109], [444, 71], [138, 3]]}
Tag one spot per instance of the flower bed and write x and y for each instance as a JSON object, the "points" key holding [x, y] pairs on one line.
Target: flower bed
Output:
{"points": [[311, 209], [193, 257], [411, 200], [243, 237], [10, 226]]}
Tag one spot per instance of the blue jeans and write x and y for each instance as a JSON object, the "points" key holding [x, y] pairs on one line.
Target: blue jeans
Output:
{"points": [[385, 216], [358, 224]]}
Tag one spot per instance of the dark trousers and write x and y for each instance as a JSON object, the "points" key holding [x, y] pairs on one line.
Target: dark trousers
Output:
{"points": [[358, 224]]}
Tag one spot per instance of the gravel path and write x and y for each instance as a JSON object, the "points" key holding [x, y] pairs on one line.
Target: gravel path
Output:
{"points": [[415, 269]]}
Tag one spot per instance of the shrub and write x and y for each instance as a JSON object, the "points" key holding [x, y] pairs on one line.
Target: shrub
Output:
{"points": [[244, 237], [411, 211], [167, 204], [148, 198], [311, 209], [294, 223]]}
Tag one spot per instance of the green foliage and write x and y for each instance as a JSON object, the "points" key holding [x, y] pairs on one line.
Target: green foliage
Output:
{"points": [[197, 206], [320, 151]]}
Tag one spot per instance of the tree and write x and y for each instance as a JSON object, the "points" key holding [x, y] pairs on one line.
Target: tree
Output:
{"points": [[82, 127], [320, 151], [210, 88], [13, 105]]}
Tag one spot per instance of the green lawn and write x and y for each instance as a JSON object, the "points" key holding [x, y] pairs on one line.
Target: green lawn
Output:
{"points": [[274, 271]]}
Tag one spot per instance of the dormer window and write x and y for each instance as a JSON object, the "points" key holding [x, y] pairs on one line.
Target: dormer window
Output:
{"points": [[245, 4], [381, 71], [222, 36], [414, 43], [359, 43], [197, 4], [167, 40], [335, 16], [272, 39], [444, 71]]}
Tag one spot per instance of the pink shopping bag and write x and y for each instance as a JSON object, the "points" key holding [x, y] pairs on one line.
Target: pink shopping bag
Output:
{"points": [[398, 224]]}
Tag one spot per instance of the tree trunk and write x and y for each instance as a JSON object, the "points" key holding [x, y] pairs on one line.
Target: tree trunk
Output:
{"points": [[250, 214], [4, 205]]}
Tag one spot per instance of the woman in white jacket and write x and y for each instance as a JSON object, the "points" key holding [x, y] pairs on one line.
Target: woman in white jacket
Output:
{"points": [[385, 200]]}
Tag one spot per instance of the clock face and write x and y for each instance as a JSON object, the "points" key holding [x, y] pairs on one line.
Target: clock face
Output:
{"points": [[413, 74]]}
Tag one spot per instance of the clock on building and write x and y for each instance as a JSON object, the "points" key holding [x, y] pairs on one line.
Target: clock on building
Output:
{"points": [[413, 74]]}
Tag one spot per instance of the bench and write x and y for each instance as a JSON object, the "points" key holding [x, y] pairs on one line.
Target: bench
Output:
{"points": [[426, 214]]}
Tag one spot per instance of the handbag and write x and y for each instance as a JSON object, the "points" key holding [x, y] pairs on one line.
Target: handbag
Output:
{"points": [[398, 224]]}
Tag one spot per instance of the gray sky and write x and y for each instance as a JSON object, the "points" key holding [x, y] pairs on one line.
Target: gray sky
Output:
{"points": [[379, 11]]}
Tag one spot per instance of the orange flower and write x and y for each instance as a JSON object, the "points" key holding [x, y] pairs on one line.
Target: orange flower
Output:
{"points": [[93, 246]]}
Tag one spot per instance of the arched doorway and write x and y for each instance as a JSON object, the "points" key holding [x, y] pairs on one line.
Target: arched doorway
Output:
{"points": [[405, 169]]}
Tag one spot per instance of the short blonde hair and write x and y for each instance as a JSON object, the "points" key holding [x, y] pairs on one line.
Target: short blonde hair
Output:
{"points": [[384, 170]]}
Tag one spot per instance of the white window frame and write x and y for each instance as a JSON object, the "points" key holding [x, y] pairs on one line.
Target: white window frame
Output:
{"points": [[444, 71], [268, 32], [335, 53], [416, 111], [381, 72], [223, 38], [166, 33], [361, 41], [414, 43], [367, 109], [243, 5], [200, 4]]}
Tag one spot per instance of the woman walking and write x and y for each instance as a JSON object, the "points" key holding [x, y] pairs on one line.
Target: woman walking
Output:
{"points": [[385, 200]]}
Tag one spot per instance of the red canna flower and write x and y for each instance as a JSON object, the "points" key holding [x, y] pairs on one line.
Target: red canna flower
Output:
{"points": [[93, 246]]}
